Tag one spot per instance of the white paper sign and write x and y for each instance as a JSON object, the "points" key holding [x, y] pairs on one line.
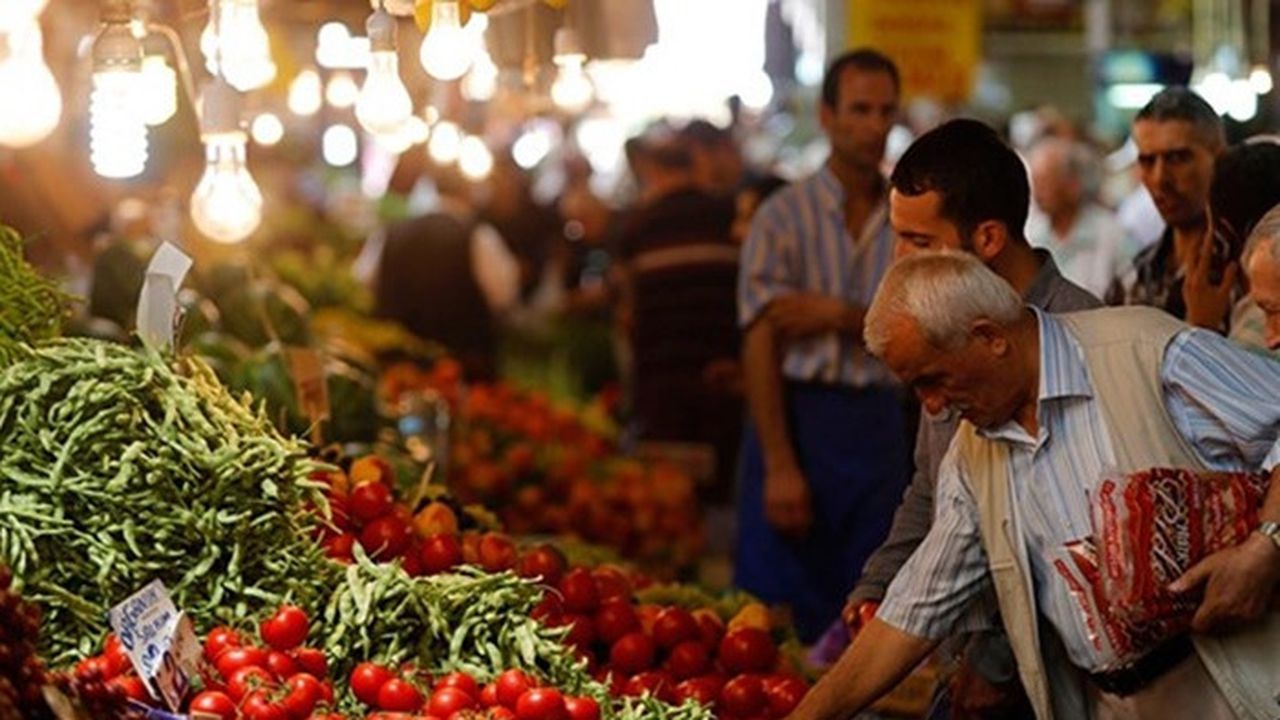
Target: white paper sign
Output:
{"points": [[160, 641], [158, 302]]}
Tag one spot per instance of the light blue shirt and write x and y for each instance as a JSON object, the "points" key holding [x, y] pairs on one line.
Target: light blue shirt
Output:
{"points": [[1223, 400], [799, 243]]}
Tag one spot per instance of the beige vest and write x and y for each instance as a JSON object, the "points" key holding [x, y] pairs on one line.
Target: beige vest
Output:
{"points": [[1124, 351]]}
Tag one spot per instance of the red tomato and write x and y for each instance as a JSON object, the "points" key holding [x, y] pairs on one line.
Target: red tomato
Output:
{"points": [[303, 693], [783, 694], [747, 650], [710, 627], [743, 695], [440, 552], [578, 590], [497, 552], [548, 610], [543, 562], [287, 628], [461, 681], [541, 704], [258, 706], [366, 680], [489, 696], [131, 686], [280, 665], [582, 632], [611, 583], [582, 708], [510, 685], [370, 501], [218, 640], [214, 703], [632, 653], [500, 713], [656, 683], [117, 657], [411, 559], [614, 619], [705, 689], [97, 667], [236, 658], [673, 626], [311, 661], [247, 679], [446, 701], [339, 547], [386, 537], [399, 696], [688, 659]]}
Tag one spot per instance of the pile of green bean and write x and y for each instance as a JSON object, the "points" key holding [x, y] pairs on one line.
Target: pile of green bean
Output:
{"points": [[119, 467], [31, 307]]}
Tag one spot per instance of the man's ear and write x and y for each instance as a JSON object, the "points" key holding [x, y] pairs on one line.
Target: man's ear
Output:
{"points": [[991, 335], [826, 115], [989, 240]]}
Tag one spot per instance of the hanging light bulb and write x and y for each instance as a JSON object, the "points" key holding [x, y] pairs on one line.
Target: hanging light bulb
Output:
{"points": [[30, 103], [236, 43], [384, 105], [17, 14], [445, 143], [227, 204], [267, 130], [159, 89], [474, 159], [572, 90], [447, 49], [306, 94], [342, 91], [481, 83], [413, 131], [117, 133]]}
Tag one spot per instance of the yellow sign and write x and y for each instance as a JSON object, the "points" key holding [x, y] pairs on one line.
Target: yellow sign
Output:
{"points": [[936, 43]]}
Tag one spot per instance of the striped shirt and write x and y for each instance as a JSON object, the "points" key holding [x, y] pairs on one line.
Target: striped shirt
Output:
{"points": [[1223, 400], [799, 243]]}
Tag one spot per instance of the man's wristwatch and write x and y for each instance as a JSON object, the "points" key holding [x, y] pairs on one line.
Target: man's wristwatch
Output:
{"points": [[1272, 531]]}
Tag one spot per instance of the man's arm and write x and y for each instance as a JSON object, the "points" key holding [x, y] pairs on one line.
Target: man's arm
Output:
{"points": [[804, 314], [877, 660], [786, 491]]}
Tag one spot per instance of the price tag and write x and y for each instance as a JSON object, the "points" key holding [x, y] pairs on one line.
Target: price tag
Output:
{"points": [[160, 640], [158, 302], [306, 367]]}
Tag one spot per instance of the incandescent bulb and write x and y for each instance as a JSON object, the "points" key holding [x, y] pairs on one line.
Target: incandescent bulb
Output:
{"points": [[481, 83], [474, 159], [226, 205], [572, 90], [236, 42], [445, 143], [342, 91], [267, 130], [159, 90], [305, 94], [384, 105], [16, 14], [30, 103], [447, 50]]}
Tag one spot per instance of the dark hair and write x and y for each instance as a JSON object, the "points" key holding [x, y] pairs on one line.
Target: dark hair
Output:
{"points": [[705, 134], [979, 177], [1180, 103], [863, 59], [763, 186], [1246, 184]]}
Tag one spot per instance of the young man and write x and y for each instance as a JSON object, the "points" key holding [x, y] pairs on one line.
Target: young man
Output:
{"points": [[824, 458]]}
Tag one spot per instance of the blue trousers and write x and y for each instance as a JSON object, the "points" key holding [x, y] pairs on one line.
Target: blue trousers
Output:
{"points": [[851, 446]]}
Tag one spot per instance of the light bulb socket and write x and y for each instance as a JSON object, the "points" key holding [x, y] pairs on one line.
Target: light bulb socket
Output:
{"points": [[382, 30], [116, 48], [568, 47], [220, 109]]}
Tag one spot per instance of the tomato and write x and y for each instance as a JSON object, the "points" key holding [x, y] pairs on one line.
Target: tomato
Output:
{"points": [[117, 657], [783, 694], [440, 552], [339, 547], [747, 650], [582, 631], [287, 628], [366, 680], [579, 591], [398, 696], [326, 716], [688, 659], [743, 695], [582, 708], [656, 683], [411, 559], [247, 679], [312, 661], [218, 640], [673, 626], [543, 562], [280, 665], [548, 609], [497, 552], [488, 697], [710, 627], [385, 537], [705, 689], [96, 667], [614, 619], [214, 703], [510, 685], [131, 686], [303, 692], [499, 713], [632, 653], [461, 681], [233, 659], [611, 583], [258, 706], [446, 701], [541, 704], [370, 501]]}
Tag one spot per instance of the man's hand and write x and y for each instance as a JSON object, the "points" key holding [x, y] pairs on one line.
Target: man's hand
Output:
{"points": [[858, 614], [804, 314], [787, 505], [1207, 303], [1238, 583]]}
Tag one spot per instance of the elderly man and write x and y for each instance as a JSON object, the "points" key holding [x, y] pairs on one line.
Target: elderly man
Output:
{"points": [[1261, 261], [1048, 404]]}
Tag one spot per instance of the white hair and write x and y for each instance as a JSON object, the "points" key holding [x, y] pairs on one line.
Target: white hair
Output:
{"points": [[1264, 235], [944, 293]]}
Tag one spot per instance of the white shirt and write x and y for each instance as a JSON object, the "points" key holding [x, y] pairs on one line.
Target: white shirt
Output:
{"points": [[1093, 253]]}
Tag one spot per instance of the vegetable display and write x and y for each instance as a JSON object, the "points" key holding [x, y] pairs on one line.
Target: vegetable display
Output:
{"points": [[31, 306]]}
